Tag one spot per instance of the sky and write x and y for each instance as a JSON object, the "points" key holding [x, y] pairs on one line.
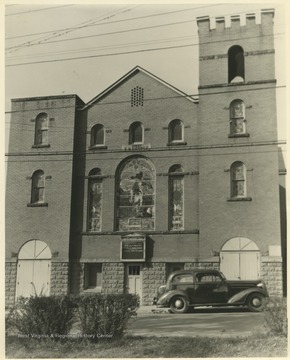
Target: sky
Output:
{"points": [[102, 42]]}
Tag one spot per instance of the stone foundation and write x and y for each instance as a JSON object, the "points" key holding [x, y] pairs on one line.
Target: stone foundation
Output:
{"points": [[76, 277], [271, 273], [10, 282], [202, 265], [59, 278], [113, 278], [154, 275]]}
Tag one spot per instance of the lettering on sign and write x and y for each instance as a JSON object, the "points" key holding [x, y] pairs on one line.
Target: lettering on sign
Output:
{"points": [[132, 250]]}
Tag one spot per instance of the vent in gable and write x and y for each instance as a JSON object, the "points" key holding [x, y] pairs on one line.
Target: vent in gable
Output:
{"points": [[137, 96]]}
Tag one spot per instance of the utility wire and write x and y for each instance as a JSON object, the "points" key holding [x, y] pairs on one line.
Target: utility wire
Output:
{"points": [[167, 156], [129, 52], [79, 107], [30, 11], [117, 21], [76, 27]]}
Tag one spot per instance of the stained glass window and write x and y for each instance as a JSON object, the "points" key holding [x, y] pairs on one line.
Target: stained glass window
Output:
{"points": [[37, 193], [136, 195], [237, 117], [97, 135], [95, 200], [41, 129], [176, 195], [238, 179]]}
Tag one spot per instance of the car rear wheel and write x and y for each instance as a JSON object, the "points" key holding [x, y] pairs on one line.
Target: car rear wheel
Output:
{"points": [[256, 302], [179, 305]]}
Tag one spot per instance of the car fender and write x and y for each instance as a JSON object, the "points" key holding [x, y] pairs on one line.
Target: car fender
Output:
{"points": [[166, 298], [242, 296]]}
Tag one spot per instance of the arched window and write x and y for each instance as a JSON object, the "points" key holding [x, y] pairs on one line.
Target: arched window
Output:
{"points": [[175, 131], [237, 117], [176, 196], [95, 192], [238, 180], [38, 185], [135, 190], [41, 129], [236, 66], [97, 135], [136, 133]]}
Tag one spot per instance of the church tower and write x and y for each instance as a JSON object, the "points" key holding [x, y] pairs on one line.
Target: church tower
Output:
{"points": [[238, 162]]}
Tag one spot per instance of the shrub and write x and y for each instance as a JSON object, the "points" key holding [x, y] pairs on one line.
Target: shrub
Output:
{"points": [[275, 315], [106, 316], [42, 315]]}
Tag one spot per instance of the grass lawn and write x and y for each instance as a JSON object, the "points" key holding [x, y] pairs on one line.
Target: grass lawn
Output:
{"points": [[141, 347]]}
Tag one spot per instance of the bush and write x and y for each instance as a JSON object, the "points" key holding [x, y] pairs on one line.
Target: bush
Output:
{"points": [[42, 315], [106, 316], [275, 315]]}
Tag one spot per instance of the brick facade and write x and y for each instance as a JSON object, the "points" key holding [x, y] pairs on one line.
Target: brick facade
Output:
{"points": [[84, 260]]}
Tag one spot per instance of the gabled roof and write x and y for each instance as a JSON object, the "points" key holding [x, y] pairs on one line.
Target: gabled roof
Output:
{"points": [[134, 71]]}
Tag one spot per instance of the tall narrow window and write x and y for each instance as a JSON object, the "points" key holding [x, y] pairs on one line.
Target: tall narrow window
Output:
{"points": [[95, 185], [238, 180], [236, 66], [41, 129], [136, 195], [136, 133], [38, 184], [175, 131], [237, 117], [176, 190], [97, 135]]}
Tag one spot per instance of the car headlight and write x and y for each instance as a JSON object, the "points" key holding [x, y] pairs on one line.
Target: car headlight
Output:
{"points": [[261, 285]]}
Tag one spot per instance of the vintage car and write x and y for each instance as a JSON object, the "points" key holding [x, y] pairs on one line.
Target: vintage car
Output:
{"points": [[192, 288]]}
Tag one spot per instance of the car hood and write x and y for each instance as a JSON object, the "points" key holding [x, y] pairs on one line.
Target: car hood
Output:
{"points": [[244, 282]]}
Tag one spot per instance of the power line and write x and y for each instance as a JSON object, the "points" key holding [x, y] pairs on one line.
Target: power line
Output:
{"points": [[77, 27], [30, 11], [106, 47], [167, 156], [79, 107], [128, 52], [117, 21]]}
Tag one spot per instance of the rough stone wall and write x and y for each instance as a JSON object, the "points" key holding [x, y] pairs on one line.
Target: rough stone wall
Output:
{"points": [[113, 278], [272, 275], [154, 275], [59, 278], [10, 282]]}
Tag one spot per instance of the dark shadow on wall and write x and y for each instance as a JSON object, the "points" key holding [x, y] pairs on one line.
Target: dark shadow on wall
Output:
{"points": [[283, 225]]}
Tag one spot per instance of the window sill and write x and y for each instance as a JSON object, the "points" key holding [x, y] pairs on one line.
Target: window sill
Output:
{"points": [[93, 290], [40, 146], [98, 147], [239, 199], [177, 143], [37, 205], [239, 135]]}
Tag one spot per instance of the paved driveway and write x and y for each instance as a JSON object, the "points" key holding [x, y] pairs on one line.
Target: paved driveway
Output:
{"points": [[200, 322]]}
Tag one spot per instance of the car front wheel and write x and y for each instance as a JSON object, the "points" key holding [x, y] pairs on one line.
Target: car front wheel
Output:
{"points": [[256, 302], [179, 305]]}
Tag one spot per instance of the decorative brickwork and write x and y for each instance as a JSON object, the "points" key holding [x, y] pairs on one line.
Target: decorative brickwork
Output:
{"points": [[272, 275], [154, 275], [10, 282], [59, 278], [113, 278]]}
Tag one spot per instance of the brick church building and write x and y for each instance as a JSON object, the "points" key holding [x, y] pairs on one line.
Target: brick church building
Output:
{"points": [[112, 195]]}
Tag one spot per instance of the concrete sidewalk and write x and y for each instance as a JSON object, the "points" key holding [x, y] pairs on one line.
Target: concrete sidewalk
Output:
{"points": [[152, 309]]}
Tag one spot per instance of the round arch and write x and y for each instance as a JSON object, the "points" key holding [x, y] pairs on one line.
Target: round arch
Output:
{"points": [[33, 269], [240, 259]]}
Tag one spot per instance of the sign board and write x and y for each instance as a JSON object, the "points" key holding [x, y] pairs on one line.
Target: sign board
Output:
{"points": [[133, 249]]}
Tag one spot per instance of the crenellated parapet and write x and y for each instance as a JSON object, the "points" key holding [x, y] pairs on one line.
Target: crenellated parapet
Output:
{"points": [[205, 26]]}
